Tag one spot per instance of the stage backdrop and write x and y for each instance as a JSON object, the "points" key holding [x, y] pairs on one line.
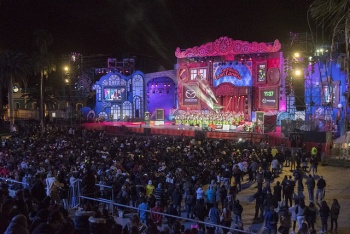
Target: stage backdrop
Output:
{"points": [[236, 73]]}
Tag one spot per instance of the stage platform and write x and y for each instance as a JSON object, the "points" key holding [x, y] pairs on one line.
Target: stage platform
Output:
{"points": [[167, 128]]}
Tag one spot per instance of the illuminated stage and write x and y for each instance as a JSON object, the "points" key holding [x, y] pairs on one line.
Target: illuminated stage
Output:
{"points": [[119, 127]]}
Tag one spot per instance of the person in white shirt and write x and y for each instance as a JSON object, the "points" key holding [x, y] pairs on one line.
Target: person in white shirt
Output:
{"points": [[294, 215], [52, 187], [200, 194], [275, 167]]}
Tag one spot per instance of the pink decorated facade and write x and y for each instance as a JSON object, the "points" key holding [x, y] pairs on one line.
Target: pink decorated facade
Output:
{"points": [[230, 76]]}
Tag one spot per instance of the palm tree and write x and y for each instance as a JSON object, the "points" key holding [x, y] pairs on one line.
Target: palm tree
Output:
{"points": [[33, 95], [43, 63], [13, 66], [335, 15]]}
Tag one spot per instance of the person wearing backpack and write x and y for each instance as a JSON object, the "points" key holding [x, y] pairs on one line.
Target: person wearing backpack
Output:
{"points": [[335, 208], [271, 220]]}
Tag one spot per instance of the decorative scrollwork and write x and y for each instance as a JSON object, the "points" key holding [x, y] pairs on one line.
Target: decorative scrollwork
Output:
{"points": [[106, 104], [227, 46]]}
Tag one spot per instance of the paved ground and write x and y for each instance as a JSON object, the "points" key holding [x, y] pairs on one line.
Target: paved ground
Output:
{"points": [[338, 186]]}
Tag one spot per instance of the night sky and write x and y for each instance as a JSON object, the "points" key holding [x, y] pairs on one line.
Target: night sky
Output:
{"points": [[146, 27]]}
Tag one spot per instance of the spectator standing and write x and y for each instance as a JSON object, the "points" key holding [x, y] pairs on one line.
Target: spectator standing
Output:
{"points": [[63, 190], [159, 194], [292, 210], [301, 211], [189, 201], [288, 156], [253, 168], [211, 197], [226, 219], [88, 183], [271, 220], [277, 193], [177, 199], [275, 167], [200, 194], [237, 173], [237, 212], [149, 188], [324, 214], [321, 185], [310, 215], [335, 210], [288, 191], [143, 210], [223, 194], [310, 184], [171, 211], [285, 220], [52, 187], [200, 211], [38, 188], [313, 161], [155, 216], [214, 214], [260, 179], [293, 161], [259, 201]]}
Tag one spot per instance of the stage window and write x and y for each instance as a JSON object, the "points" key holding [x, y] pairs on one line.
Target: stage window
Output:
{"points": [[137, 85], [103, 114], [127, 110], [98, 92], [115, 112], [138, 92], [199, 74], [138, 107]]}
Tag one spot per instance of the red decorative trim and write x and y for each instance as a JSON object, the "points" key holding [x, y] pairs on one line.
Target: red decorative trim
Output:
{"points": [[226, 46], [226, 89]]}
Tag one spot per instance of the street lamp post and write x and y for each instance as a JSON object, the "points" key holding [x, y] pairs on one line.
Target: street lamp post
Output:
{"points": [[67, 81]]}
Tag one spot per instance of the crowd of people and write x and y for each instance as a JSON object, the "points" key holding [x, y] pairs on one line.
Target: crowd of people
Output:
{"points": [[206, 118], [160, 176]]}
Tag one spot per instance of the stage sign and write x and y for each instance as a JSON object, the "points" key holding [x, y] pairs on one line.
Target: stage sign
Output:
{"points": [[237, 74], [268, 97], [190, 95]]}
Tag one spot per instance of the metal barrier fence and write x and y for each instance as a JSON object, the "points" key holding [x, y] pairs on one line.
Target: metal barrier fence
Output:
{"points": [[75, 197], [74, 194], [106, 196], [206, 224], [11, 183]]}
